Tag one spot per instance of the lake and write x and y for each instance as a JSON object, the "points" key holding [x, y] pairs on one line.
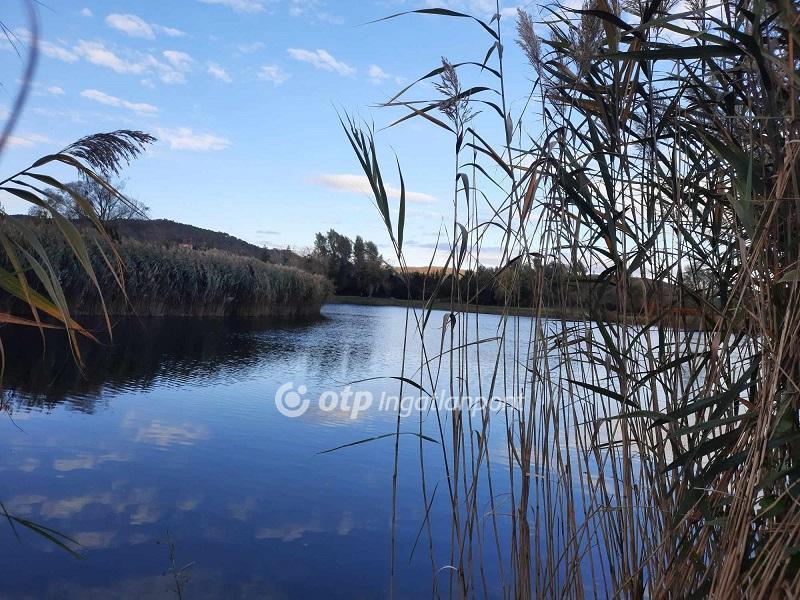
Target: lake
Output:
{"points": [[169, 451]]}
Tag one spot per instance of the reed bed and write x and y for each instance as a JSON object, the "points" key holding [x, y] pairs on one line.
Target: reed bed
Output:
{"points": [[643, 460], [176, 281]]}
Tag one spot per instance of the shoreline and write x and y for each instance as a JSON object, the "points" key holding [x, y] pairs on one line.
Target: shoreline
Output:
{"points": [[547, 313], [566, 313]]}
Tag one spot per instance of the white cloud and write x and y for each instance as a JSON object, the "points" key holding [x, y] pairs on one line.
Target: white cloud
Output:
{"points": [[135, 26], [49, 49], [509, 12], [312, 9], [244, 6], [480, 8], [179, 60], [273, 73], [131, 25], [28, 140], [300, 7], [103, 98], [58, 52], [86, 12], [376, 74], [172, 71], [360, 184], [250, 48], [321, 59], [169, 31], [183, 138], [54, 90], [97, 54], [218, 72]]}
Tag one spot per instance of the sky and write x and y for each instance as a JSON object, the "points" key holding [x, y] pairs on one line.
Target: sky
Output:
{"points": [[243, 98]]}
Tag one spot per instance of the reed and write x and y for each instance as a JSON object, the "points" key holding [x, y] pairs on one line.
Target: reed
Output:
{"points": [[645, 460], [170, 280]]}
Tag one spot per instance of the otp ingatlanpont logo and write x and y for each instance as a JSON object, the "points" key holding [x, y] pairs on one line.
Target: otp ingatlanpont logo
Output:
{"points": [[290, 402]]}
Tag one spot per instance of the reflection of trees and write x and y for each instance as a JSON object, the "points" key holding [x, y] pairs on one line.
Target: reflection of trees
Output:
{"points": [[143, 351], [346, 347]]}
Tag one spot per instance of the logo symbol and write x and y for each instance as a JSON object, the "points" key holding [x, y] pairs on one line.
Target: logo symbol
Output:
{"points": [[290, 403]]}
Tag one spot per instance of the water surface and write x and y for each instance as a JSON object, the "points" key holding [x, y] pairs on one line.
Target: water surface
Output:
{"points": [[171, 434]]}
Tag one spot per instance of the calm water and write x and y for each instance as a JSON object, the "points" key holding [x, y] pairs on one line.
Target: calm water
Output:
{"points": [[173, 433]]}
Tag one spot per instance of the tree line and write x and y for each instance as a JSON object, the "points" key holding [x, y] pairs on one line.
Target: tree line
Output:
{"points": [[356, 268]]}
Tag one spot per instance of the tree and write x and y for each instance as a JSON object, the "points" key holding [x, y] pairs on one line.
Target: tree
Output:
{"points": [[373, 272], [698, 279], [354, 267], [321, 249], [335, 251], [341, 252], [359, 258], [107, 205]]}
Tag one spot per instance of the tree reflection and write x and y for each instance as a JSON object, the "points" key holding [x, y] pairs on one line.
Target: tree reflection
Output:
{"points": [[172, 351]]}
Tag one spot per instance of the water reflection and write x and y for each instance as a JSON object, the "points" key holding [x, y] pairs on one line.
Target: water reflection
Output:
{"points": [[142, 353], [173, 428]]}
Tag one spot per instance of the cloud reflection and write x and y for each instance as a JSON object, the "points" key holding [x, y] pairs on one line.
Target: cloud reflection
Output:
{"points": [[95, 540], [163, 435], [290, 532], [86, 461]]}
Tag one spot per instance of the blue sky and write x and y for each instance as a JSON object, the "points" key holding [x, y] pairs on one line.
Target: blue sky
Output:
{"points": [[242, 95]]}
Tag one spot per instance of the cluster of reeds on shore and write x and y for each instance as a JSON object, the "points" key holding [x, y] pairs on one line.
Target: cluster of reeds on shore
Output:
{"points": [[177, 281], [647, 461]]}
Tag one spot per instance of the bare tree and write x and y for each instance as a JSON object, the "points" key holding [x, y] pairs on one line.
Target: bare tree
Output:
{"points": [[109, 205]]}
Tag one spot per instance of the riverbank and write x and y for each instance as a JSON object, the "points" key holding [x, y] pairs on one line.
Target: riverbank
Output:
{"points": [[677, 320], [548, 313]]}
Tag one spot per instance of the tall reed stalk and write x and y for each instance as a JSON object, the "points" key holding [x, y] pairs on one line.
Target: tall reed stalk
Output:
{"points": [[661, 149]]}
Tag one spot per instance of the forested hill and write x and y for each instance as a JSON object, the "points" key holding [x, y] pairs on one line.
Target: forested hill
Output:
{"points": [[164, 231]]}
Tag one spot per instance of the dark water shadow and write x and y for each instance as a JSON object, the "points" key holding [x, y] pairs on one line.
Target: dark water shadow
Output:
{"points": [[41, 373]]}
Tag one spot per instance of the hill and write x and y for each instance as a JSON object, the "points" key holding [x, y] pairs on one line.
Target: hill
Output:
{"points": [[171, 234]]}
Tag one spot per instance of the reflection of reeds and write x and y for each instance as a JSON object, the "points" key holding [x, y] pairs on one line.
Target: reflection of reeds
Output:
{"points": [[647, 460]]}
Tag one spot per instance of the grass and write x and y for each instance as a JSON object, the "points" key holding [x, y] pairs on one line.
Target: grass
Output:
{"points": [[648, 460]]}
